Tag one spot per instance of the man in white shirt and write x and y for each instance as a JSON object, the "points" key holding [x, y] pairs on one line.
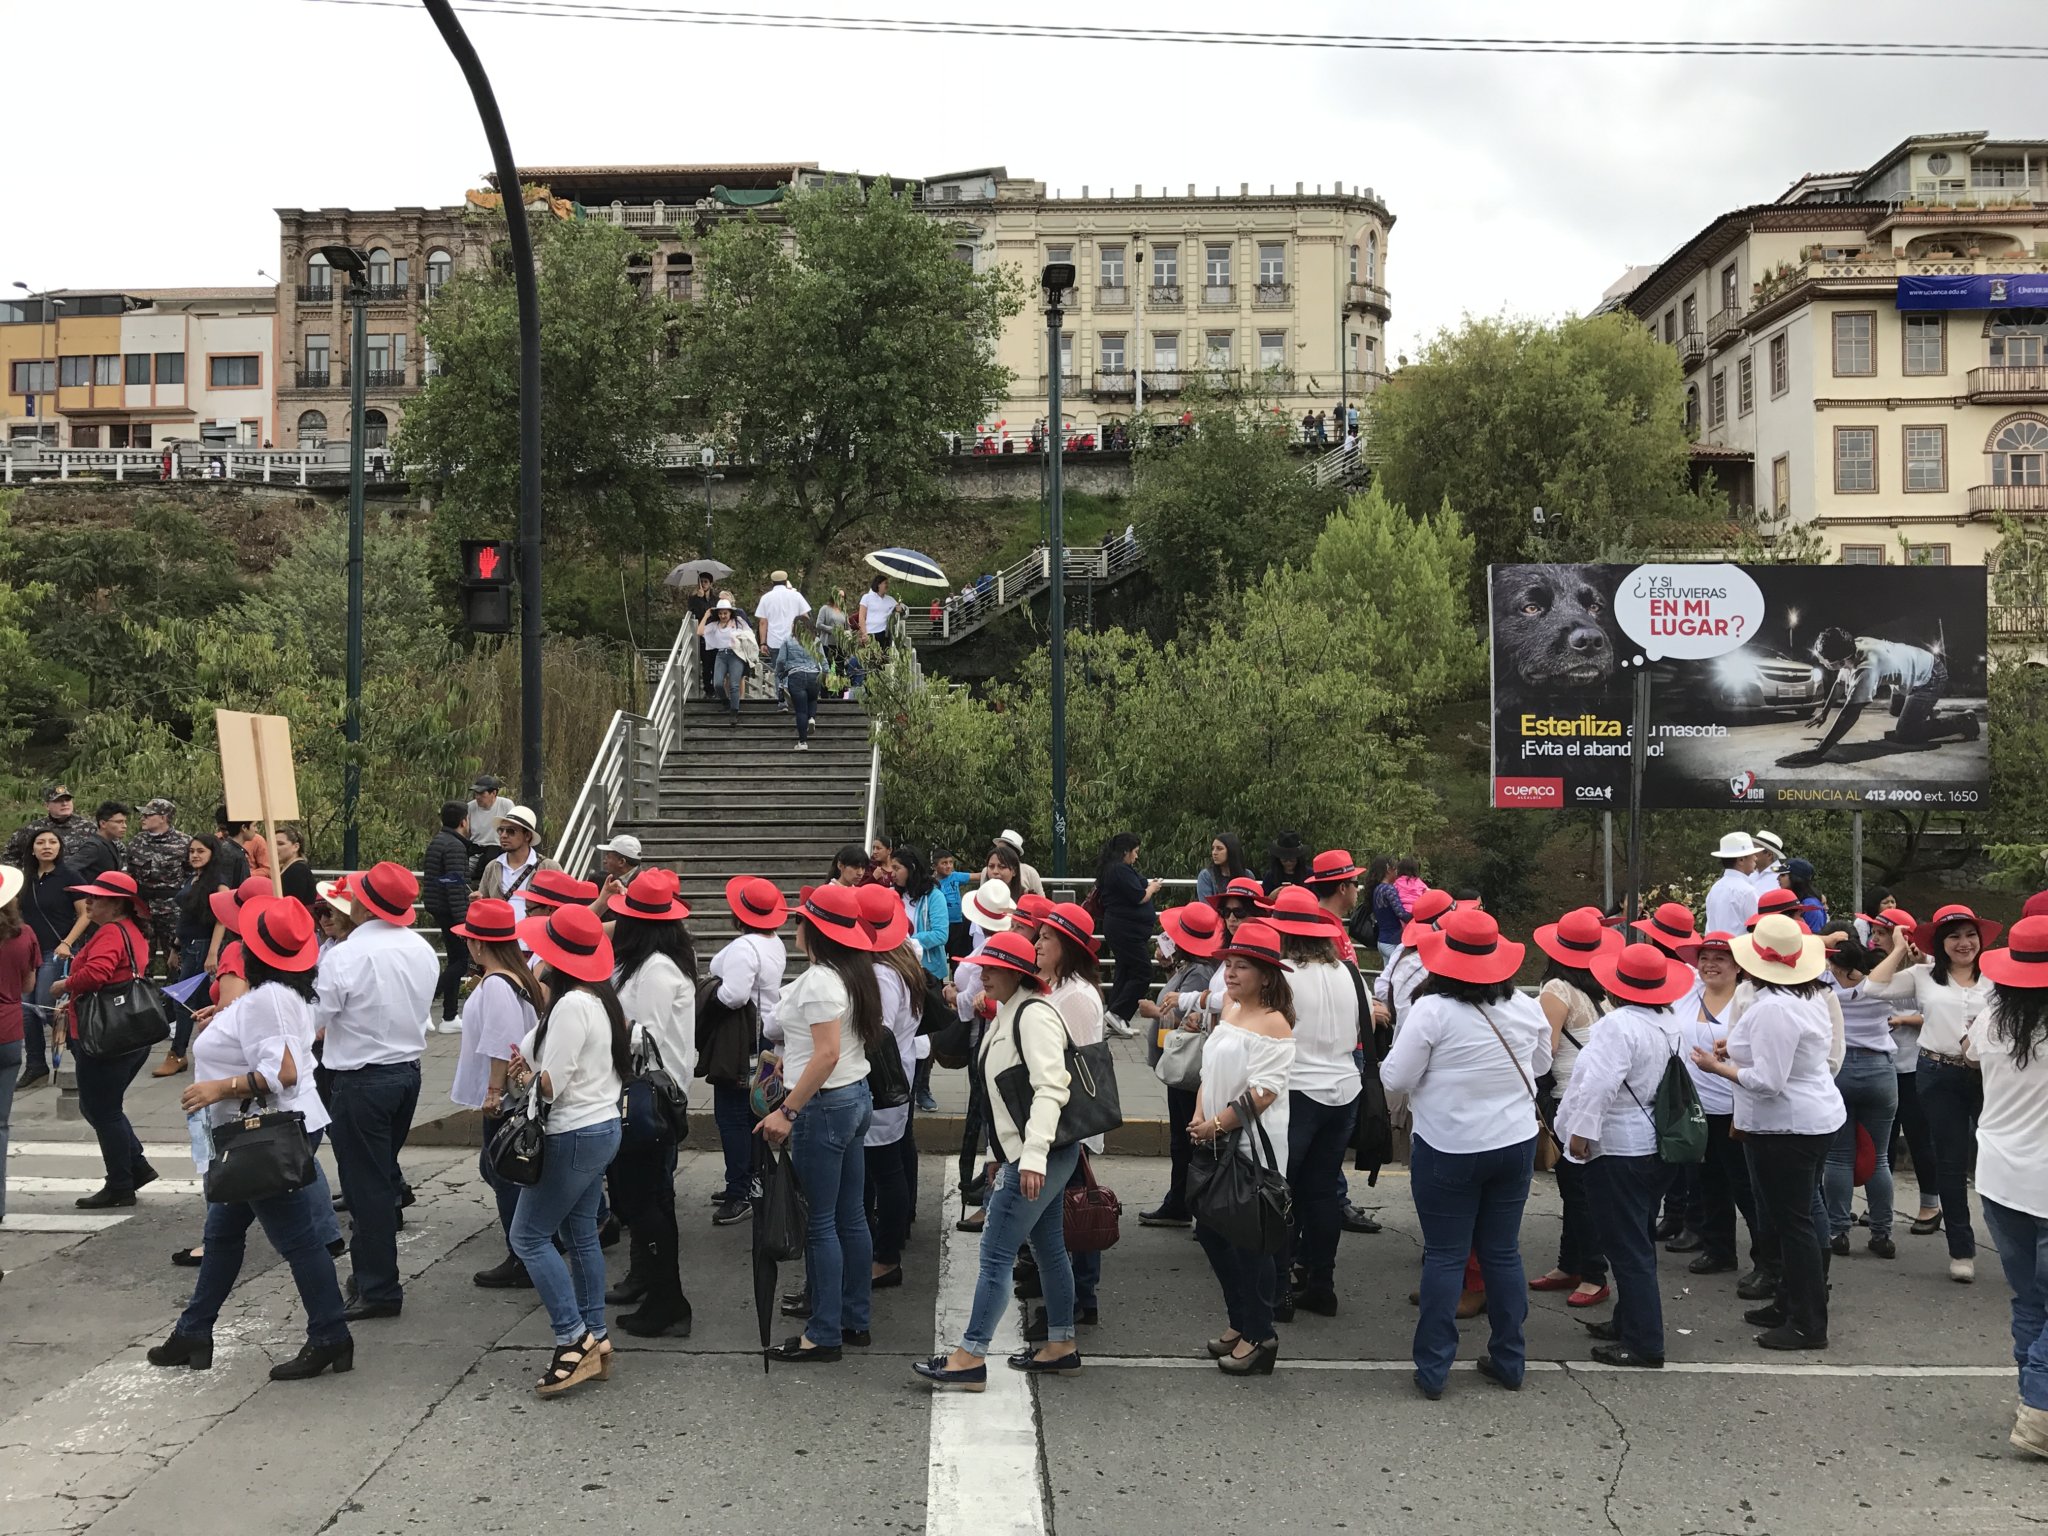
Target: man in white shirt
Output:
{"points": [[374, 992], [1864, 663], [1767, 861], [1731, 901], [776, 613]]}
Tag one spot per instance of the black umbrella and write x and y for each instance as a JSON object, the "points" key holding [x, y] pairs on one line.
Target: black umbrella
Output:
{"points": [[765, 1263], [781, 1220]]}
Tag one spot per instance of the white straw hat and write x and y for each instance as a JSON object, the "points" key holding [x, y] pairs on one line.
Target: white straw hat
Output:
{"points": [[989, 906], [1772, 841], [1736, 845], [1779, 949]]}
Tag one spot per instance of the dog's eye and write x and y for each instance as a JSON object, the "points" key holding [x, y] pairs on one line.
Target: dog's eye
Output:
{"points": [[1532, 609]]}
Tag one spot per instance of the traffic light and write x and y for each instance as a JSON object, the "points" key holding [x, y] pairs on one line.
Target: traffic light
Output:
{"points": [[487, 586]]}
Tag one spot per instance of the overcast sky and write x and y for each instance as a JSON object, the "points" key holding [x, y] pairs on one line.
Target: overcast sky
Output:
{"points": [[154, 153]]}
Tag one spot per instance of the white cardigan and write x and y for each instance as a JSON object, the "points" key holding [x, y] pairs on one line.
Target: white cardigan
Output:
{"points": [[1039, 1041]]}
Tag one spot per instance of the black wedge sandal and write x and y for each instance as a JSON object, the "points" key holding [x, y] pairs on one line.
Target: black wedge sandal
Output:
{"points": [[572, 1364]]}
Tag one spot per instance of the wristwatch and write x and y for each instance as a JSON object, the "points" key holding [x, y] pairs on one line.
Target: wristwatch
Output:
{"points": [[786, 1112]]}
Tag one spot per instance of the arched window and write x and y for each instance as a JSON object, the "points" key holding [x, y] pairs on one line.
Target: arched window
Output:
{"points": [[319, 276], [681, 268], [963, 252], [2019, 452], [376, 429], [1372, 257], [2018, 338], [380, 268], [312, 429], [440, 267]]}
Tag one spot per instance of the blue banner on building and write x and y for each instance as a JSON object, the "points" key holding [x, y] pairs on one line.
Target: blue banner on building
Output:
{"points": [[1996, 290]]}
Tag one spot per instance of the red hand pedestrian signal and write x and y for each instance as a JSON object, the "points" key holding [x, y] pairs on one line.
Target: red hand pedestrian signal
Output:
{"points": [[487, 563]]}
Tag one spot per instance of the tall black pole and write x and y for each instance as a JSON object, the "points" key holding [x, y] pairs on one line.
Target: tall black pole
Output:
{"points": [[1638, 759], [1055, 539], [521, 238], [352, 720]]}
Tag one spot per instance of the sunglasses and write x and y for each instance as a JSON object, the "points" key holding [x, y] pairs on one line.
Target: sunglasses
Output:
{"points": [[1239, 909]]}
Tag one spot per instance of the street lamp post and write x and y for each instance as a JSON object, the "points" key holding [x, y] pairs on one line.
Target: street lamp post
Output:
{"points": [[346, 258], [1057, 278]]}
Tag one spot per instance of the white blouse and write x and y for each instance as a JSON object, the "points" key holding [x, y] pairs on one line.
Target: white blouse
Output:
{"points": [[817, 997], [495, 1017], [252, 1034], [1616, 1082], [1947, 1012], [576, 1057], [1325, 1035], [1234, 1062], [659, 1000], [1717, 1094], [1783, 1084], [2012, 1129], [889, 1125], [1464, 1091]]}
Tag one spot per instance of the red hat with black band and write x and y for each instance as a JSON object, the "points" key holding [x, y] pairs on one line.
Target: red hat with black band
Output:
{"points": [[1578, 938], [387, 891], [279, 932], [756, 903], [118, 885], [1006, 952], [882, 914], [489, 921], [1243, 888], [1899, 917], [1425, 916], [226, 905], [1031, 911], [558, 888], [1468, 947], [1669, 927], [1295, 910], [1719, 941], [1333, 866], [2037, 905], [1258, 940], [1927, 934], [1781, 900], [1071, 920], [2024, 960], [834, 911], [651, 897], [572, 941], [1642, 973], [1196, 929]]}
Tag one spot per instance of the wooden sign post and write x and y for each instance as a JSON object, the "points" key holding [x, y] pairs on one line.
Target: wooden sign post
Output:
{"points": [[257, 776]]}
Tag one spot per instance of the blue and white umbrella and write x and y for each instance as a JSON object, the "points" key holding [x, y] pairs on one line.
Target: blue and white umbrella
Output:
{"points": [[908, 565]]}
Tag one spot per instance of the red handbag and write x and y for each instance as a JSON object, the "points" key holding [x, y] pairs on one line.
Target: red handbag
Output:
{"points": [[1089, 1213]]}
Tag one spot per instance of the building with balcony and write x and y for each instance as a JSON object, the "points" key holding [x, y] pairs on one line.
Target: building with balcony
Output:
{"points": [[1868, 352], [140, 367]]}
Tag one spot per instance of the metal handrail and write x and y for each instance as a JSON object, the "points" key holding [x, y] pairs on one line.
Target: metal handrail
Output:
{"points": [[624, 782]]}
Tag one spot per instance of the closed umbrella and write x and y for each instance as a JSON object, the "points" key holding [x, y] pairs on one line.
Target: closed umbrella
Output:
{"points": [[908, 565], [686, 574]]}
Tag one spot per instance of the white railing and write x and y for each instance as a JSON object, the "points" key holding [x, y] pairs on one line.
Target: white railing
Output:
{"points": [[192, 461], [1340, 466], [624, 782], [958, 615]]}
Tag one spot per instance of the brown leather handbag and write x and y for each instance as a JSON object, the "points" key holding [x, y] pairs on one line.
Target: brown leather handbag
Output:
{"points": [[1089, 1213]]}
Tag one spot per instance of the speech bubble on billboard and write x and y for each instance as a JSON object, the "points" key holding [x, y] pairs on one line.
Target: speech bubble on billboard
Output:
{"points": [[1689, 611]]}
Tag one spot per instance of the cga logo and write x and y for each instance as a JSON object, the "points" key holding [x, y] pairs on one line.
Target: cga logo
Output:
{"points": [[1743, 786]]}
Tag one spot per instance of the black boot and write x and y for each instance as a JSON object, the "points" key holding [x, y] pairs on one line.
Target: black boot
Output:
{"points": [[180, 1350], [639, 1275], [664, 1308]]}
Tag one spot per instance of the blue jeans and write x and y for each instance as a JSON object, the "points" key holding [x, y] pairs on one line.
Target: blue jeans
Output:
{"points": [[735, 1120], [1008, 1223], [102, 1084], [38, 1017], [1318, 1137], [293, 1225], [839, 1251], [503, 1191], [1870, 1089], [1470, 1202], [728, 676], [1953, 1097], [803, 699], [372, 1109], [2023, 1251], [1624, 1192], [1247, 1279], [10, 1064], [571, 1287]]}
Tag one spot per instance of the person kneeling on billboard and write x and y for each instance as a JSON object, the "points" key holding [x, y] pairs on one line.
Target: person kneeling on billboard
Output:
{"points": [[1861, 665]]}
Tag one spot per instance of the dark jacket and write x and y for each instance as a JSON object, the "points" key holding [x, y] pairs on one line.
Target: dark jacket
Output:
{"points": [[1127, 917], [444, 878], [98, 855]]}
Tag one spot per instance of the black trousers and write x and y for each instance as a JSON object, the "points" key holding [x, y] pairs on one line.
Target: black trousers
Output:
{"points": [[891, 1190], [1785, 1172], [1911, 1128], [1180, 1113], [973, 1131], [1133, 975], [1724, 1190], [641, 1186], [454, 966], [1579, 1251]]}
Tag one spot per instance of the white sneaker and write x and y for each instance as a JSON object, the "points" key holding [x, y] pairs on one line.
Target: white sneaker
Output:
{"points": [[1119, 1027], [803, 746], [1962, 1271]]}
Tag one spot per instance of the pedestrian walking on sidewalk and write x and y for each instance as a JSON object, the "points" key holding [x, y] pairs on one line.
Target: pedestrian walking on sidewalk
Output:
{"points": [[116, 953], [501, 1010], [1069, 965], [57, 916], [444, 892]]}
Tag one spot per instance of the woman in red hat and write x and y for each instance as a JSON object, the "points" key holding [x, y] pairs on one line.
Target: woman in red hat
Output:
{"points": [[1069, 966], [1572, 1001], [1671, 928], [830, 1019], [1242, 900], [500, 1011], [1468, 1056], [259, 1049], [114, 954], [1724, 1176], [2011, 1046], [1605, 1123], [579, 1058], [1395, 987], [1951, 994], [1905, 1021], [1197, 934], [656, 977], [889, 1150], [749, 971], [1024, 1204], [1246, 1065]]}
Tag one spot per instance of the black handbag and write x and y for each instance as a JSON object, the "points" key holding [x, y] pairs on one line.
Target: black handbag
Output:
{"points": [[259, 1156], [726, 1037], [657, 1107], [519, 1147], [1093, 1105], [1372, 1135], [952, 1037], [1246, 1202], [887, 1082], [129, 1016], [783, 1214]]}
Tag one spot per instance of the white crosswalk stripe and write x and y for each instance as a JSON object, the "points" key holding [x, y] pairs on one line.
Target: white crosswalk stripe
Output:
{"points": [[46, 1178]]}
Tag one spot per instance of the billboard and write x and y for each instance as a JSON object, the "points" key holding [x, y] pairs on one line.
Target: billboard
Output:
{"points": [[1809, 687]]}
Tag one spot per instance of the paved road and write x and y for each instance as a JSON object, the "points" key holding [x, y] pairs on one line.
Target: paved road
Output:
{"points": [[1901, 1428]]}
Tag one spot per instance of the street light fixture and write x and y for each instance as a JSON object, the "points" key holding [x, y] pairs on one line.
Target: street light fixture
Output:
{"points": [[1057, 280], [347, 259]]}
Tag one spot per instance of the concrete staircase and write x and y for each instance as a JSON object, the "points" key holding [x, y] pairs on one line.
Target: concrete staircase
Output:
{"points": [[738, 799]]}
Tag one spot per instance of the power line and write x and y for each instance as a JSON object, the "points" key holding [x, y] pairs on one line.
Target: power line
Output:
{"points": [[579, 10]]}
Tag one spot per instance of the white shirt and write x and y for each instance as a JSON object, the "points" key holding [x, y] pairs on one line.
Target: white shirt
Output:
{"points": [[1731, 902], [576, 1057], [749, 970], [659, 1000], [252, 1034], [1396, 983], [1947, 1012], [1463, 1090], [1080, 1009], [2012, 1128], [1615, 1083], [718, 636], [1784, 1084], [1235, 1061], [875, 608], [1866, 1015], [374, 993], [888, 1125], [1879, 661], [1747, 992], [1325, 1035], [1717, 1094], [814, 998], [1765, 880], [483, 820], [779, 608], [496, 1017], [517, 899]]}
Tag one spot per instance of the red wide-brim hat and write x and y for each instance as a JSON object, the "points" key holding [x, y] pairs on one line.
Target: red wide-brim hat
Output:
{"points": [[756, 903], [1643, 973], [2024, 960], [1578, 938]]}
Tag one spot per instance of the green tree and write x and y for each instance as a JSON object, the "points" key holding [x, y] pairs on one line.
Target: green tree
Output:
{"points": [[1585, 419], [833, 348], [610, 392], [28, 684]]}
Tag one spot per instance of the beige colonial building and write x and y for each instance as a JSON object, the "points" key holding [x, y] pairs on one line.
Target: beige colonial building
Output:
{"points": [[1866, 352], [1282, 292]]}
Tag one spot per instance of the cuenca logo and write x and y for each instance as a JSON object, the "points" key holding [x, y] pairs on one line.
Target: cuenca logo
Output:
{"points": [[1743, 786], [1523, 794]]}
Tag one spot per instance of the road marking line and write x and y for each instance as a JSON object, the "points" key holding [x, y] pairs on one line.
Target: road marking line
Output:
{"points": [[40, 1185], [984, 1477], [167, 1151], [33, 1221], [1788, 1368]]}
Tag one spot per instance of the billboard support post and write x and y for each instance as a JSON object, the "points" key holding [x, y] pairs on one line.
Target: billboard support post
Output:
{"points": [[1856, 861], [1607, 861], [1638, 758]]}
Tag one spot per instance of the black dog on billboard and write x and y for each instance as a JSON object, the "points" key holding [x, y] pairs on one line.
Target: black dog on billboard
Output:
{"points": [[1860, 665], [1552, 631]]}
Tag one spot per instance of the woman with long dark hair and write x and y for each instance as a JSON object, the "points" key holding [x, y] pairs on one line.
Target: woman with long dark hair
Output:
{"points": [[293, 869], [579, 1057], [829, 1019], [1125, 899], [1572, 1002], [1226, 863], [656, 975], [1197, 933], [260, 1048], [1950, 993], [1905, 1023], [1870, 1091], [1069, 965], [889, 1150], [1288, 860], [19, 957], [58, 917], [116, 953], [1799, 878], [2011, 1046], [1724, 1175], [500, 1011]]}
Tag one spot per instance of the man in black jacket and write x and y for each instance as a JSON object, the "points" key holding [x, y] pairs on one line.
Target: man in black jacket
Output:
{"points": [[101, 852], [444, 892]]}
